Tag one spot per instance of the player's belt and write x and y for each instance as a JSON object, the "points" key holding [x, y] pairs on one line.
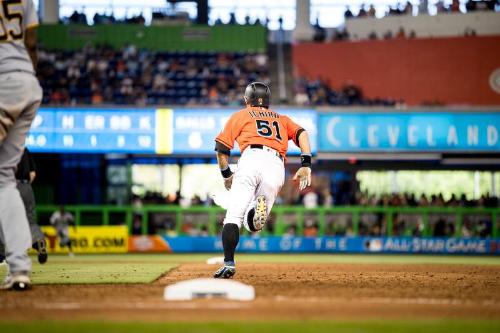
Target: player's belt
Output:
{"points": [[267, 149]]}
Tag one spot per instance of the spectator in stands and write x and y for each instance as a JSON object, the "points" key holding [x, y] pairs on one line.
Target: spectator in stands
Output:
{"points": [[362, 12], [232, 19], [78, 18], [388, 35], [440, 7], [423, 7], [408, 10], [455, 6], [348, 14], [301, 97], [319, 32], [401, 33], [371, 11], [352, 92], [103, 75], [310, 228]]}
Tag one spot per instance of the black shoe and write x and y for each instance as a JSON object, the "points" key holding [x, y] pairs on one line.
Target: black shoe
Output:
{"points": [[42, 253], [226, 272]]}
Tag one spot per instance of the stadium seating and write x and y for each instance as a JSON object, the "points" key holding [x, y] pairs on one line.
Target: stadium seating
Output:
{"points": [[128, 76]]}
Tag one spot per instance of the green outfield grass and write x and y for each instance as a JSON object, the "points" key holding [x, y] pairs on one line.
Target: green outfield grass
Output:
{"points": [[84, 269], [375, 326]]}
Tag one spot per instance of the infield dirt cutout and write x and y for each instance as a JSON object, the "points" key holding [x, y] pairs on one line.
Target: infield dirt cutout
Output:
{"points": [[283, 291]]}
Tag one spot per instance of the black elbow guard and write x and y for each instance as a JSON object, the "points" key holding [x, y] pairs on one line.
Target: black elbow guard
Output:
{"points": [[221, 148], [297, 135]]}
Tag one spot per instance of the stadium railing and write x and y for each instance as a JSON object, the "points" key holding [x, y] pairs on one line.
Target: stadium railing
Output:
{"points": [[296, 220]]}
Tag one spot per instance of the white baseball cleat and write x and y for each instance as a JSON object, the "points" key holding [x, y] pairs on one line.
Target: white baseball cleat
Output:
{"points": [[17, 281], [260, 216]]}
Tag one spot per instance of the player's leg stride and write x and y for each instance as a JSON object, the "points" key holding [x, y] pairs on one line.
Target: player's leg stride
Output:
{"points": [[20, 97], [256, 218], [230, 239], [262, 136], [260, 215], [42, 251]]}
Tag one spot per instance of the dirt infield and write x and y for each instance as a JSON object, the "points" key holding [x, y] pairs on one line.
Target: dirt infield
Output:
{"points": [[284, 291]]}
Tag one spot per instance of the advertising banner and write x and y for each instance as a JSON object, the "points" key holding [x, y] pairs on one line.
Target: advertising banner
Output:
{"points": [[148, 244], [335, 244], [373, 132], [86, 239]]}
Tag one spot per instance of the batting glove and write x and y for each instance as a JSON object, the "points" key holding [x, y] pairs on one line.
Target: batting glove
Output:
{"points": [[304, 177]]}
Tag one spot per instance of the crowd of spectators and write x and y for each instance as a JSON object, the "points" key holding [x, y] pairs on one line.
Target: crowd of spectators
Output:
{"points": [[423, 8], [129, 76], [410, 200], [162, 16], [370, 224], [320, 93], [81, 18]]}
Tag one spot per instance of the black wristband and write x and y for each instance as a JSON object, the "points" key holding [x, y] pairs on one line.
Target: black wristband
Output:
{"points": [[305, 160], [226, 173]]}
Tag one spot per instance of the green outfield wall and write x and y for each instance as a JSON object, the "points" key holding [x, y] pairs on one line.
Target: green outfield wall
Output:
{"points": [[345, 220], [158, 38]]}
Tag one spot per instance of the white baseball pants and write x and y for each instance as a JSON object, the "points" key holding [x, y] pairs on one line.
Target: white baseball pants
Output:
{"points": [[260, 172]]}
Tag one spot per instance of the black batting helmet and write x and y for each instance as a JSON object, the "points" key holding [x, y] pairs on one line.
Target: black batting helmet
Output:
{"points": [[258, 94]]}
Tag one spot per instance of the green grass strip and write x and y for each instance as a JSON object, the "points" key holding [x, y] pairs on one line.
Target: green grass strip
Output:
{"points": [[375, 326], [286, 258]]}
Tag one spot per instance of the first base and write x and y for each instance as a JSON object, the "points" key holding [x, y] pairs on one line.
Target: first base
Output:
{"points": [[209, 288]]}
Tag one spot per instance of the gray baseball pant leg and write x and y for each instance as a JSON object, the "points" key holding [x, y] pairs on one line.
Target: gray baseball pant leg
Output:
{"points": [[26, 191], [20, 96]]}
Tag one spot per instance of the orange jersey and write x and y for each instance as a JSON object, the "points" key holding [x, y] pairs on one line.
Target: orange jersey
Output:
{"points": [[257, 125]]}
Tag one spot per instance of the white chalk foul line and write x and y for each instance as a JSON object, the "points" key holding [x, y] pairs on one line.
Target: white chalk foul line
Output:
{"points": [[390, 300], [143, 306]]}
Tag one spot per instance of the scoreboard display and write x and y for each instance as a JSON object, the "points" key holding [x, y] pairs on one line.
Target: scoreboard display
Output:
{"points": [[98, 131], [138, 131]]}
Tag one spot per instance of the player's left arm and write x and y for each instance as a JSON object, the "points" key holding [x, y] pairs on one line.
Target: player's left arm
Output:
{"points": [[32, 166], [304, 172], [300, 137], [30, 41], [30, 32]]}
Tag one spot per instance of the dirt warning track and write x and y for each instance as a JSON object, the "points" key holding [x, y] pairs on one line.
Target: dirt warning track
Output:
{"points": [[284, 291]]}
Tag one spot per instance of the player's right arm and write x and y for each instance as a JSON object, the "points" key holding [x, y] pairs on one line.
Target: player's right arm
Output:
{"points": [[224, 142]]}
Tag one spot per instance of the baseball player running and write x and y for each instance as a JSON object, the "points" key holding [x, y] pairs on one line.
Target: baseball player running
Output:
{"points": [[20, 96], [61, 220], [262, 135], [25, 175]]}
